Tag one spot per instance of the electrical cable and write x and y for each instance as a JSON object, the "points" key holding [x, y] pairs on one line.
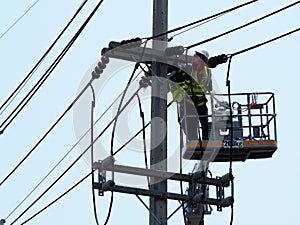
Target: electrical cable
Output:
{"points": [[242, 26], [201, 20], [263, 43], [58, 198], [144, 137], [110, 208], [120, 104], [73, 147], [24, 14], [92, 152], [194, 27], [231, 136], [72, 164], [46, 134], [16, 111], [14, 94]]}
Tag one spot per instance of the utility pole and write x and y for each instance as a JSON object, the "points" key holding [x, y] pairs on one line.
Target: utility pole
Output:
{"points": [[158, 154]]}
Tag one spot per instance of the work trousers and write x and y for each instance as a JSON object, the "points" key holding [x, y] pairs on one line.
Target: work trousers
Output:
{"points": [[190, 116]]}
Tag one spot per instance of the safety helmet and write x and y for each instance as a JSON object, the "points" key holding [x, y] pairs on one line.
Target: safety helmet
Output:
{"points": [[203, 54]]}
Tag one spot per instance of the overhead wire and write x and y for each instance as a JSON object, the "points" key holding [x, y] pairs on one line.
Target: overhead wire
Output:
{"points": [[21, 85], [93, 104], [144, 136], [60, 161], [242, 26], [19, 18], [72, 164], [229, 101], [46, 134], [46, 75], [200, 21], [58, 198], [194, 27]]}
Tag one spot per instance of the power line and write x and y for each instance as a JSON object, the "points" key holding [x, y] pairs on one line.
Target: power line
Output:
{"points": [[264, 43], [11, 26], [92, 152], [36, 87], [201, 20], [72, 164], [14, 94], [243, 26], [46, 134], [73, 147], [58, 198]]}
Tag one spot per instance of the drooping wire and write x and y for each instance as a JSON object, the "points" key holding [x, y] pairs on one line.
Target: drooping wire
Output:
{"points": [[242, 26], [14, 94], [144, 137], [36, 87], [231, 136], [73, 147], [119, 107], [24, 14], [72, 164], [58, 198], [201, 20], [46, 134], [93, 103], [110, 208]]}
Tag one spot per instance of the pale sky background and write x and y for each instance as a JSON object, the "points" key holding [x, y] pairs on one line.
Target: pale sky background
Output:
{"points": [[266, 191]]}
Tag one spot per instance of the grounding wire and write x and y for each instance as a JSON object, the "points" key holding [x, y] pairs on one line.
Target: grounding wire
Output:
{"points": [[199, 21], [17, 90], [48, 72], [58, 198], [242, 26], [24, 14]]}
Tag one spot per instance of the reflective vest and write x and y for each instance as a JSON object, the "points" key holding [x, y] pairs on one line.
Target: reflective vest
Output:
{"points": [[194, 85]]}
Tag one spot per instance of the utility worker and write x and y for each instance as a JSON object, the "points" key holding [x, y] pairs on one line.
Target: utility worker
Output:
{"points": [[194, 85]]}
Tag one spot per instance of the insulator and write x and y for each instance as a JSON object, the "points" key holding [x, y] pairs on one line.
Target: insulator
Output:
{"points": [[104, 50], [216, 60], [105, 59], [113, 44], [177, 50], [98, 70], [132, 43], [95, 75], [101, 65], [227, 201]]}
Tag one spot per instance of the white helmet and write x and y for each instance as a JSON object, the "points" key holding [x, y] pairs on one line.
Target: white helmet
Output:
{"points": [[203, 54]]}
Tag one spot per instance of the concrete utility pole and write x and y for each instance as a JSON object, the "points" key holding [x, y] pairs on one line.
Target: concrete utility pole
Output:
{"points": [[158, 155]]}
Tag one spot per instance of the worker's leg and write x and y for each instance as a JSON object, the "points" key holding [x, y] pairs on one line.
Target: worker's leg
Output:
{"points": [[190, 122], [203, 117]]}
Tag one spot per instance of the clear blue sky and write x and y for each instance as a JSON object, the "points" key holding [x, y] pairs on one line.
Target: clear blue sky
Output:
{"points": [[265, 190]]}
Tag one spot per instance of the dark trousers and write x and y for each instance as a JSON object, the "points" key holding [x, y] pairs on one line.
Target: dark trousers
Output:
{"points": [[190, 123]]}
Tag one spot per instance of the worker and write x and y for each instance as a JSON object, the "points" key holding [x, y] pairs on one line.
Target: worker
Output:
{"points": [[194, 80]]}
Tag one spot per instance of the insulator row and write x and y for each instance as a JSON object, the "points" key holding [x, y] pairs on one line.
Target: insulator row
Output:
{"points": [[100, 67], [216, 60], [125, 44]]}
